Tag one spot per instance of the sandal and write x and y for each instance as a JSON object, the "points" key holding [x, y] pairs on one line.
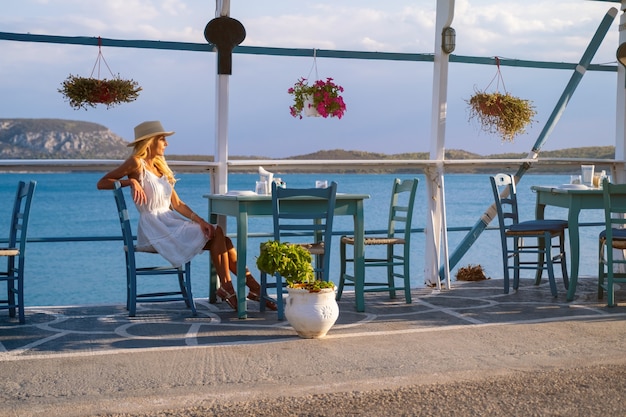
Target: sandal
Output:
{"points": [[255, 297], [255, 289], [229, 298]]}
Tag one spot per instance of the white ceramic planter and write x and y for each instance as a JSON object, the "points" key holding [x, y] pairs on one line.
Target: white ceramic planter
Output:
{"points": [[308, 108], [311, 314]]}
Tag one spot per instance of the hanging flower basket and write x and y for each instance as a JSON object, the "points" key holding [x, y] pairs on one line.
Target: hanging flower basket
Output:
{"points": [[81, 92], [501, 114], [323, 99]]}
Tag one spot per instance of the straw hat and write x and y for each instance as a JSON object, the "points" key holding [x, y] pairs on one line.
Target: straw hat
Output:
{"points": [[147, 130]]}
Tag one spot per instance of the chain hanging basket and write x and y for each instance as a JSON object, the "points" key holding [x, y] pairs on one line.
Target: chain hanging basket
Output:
{"points": [[501, 113], [83, 92], [322, 98]]}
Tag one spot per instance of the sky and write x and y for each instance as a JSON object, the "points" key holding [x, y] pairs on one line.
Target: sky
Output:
{"points": [[388, 102]]}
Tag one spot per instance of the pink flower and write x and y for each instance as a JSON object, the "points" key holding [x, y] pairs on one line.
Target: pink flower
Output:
{"points": [[325, 97]]}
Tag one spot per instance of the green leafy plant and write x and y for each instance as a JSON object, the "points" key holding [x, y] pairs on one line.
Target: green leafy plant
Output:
{"points": [[501, 114], [325, 98], [81, 92], [292, 262]]}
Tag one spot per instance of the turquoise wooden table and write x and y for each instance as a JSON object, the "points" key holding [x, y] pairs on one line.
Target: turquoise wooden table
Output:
{"points": [[243, 206], [574, 200]]}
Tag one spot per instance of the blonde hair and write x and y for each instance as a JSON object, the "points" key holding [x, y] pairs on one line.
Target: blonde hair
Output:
{"points": [[142, 151]]}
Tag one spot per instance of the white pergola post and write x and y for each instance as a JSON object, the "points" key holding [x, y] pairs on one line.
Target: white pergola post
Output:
{"points": [[220, 185], [620, 119], [435, 229]]}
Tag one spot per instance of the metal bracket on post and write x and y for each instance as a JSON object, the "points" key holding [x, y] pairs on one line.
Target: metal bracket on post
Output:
{"points": [[226, 33]]}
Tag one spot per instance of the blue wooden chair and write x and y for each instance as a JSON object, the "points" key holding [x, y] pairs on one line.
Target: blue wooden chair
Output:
{"points": [[16, 251], [397, 242], [309, 225], [132, 271], [537, 254], [613, 237]]}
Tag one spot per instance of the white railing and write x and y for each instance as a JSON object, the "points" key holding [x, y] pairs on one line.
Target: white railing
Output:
{"points": [[251, 165]]}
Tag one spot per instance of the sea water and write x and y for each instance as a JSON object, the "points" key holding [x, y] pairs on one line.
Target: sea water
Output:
{"points": [[68, 205]]}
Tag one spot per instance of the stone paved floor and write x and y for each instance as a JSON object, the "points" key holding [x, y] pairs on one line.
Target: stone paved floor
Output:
{"points": [[91, 329]]}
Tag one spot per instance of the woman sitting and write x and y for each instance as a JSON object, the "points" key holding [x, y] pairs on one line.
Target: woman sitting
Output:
{"points": [[160, 226]]}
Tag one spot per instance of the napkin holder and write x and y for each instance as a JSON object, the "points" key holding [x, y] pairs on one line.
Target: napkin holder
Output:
{"points": [[268, 177]]}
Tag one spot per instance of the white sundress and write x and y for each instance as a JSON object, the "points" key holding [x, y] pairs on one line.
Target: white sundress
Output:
{"points": [[162, 229]]}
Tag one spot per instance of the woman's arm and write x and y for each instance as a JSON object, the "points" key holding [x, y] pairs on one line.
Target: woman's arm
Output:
{"points": [[131, 168], [182, 208]]}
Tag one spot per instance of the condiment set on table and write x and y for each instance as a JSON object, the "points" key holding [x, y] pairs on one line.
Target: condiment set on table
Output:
{"points": [[266, 178], [589, 178]]}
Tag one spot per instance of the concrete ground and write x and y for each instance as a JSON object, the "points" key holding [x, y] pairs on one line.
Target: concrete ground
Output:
{"points": [[471, 350]]}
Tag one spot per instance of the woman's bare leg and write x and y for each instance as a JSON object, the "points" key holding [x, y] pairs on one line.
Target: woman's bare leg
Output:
{"points": [[223, 253], [219, 255], [219, 258]]}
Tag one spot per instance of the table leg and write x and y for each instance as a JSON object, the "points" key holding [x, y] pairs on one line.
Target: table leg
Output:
{"points": [[212, 282], [359, 256], [539, 215], [574, 249], [242, 256], [212, 273]]}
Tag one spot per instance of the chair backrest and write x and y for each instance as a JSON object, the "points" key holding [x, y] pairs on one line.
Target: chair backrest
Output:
{"points": [[505, 196], [127, 234], [614, 207], [19, 217], [294, 221], [401, 206]]}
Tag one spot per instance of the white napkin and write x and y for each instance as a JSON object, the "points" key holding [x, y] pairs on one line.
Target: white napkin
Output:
{"points": [[268, 177]]}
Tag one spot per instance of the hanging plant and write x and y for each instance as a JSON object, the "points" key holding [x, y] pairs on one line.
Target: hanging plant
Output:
{"points": [[81, 92], [501, 113], [320, 99]]}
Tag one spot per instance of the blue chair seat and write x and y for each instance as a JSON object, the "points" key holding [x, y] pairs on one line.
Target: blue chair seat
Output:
{"points": [[553, 226], [618, 234]]}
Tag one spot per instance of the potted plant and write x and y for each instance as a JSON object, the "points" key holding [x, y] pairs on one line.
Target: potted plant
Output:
{"points": [[320, 99], [501, 114], [310, 308], [82, 92]]}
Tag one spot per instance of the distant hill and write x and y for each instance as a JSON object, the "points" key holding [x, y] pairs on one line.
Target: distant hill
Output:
{"points": [[69, 139], [592, 152], [58, 139]]}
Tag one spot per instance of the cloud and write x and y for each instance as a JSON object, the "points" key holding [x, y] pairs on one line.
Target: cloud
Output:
{"points": [[535, 30], [389, 102], [343, 27]]}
